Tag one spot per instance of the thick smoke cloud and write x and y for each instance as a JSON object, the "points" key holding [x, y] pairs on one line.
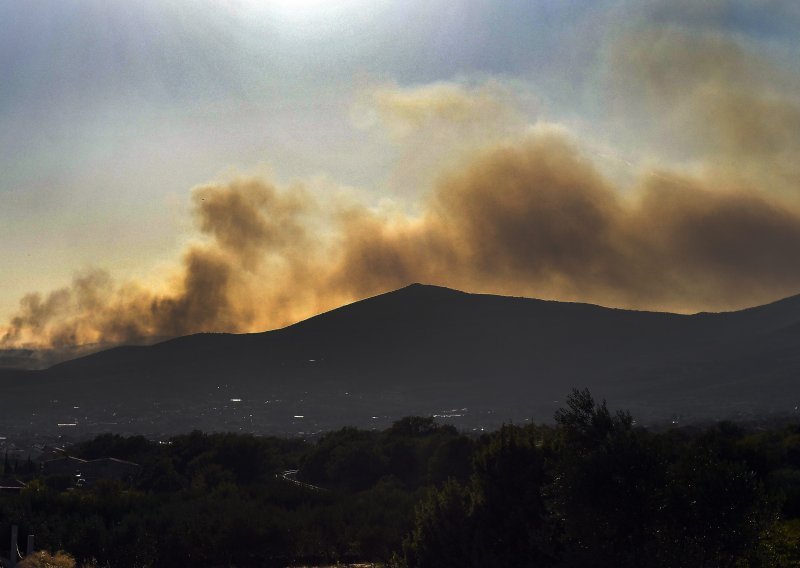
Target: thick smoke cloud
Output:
{"points": [[254, 236], [532, 218], [535, 218], [528, 215], [736, 112]]}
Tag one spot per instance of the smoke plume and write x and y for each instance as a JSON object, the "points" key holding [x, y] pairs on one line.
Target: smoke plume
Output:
{"points": [[736, 112], [528, 215]]}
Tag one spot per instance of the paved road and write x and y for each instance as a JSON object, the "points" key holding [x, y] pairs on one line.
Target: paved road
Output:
{"points": [[290, 475]]}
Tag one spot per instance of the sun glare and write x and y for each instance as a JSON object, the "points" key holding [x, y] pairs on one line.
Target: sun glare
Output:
{"points": [[302, 10], [304, 5]]}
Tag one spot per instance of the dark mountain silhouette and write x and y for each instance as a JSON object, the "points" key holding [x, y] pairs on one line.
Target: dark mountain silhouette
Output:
{"points": [[422, 348]]}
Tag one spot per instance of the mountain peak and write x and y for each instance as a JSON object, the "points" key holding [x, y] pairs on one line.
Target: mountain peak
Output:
{"points": [[418, 287], [423, 347]]}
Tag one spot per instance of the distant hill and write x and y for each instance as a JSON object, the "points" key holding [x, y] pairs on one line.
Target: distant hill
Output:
{"points": [[425, 349]]}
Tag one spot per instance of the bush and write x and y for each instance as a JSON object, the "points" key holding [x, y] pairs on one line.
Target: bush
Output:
{"points": [[44, 559]]}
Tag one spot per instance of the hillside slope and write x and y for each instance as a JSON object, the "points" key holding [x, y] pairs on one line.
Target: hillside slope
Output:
{"points": [[420, 347]]}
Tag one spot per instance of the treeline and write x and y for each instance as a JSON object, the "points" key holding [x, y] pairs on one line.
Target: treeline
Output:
{"points": [[597, 491], [592, 490]]}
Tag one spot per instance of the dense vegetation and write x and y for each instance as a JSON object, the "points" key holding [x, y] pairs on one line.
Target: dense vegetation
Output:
{"points": [[594, 490]]}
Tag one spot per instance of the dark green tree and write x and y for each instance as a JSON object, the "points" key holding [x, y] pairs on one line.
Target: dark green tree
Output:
{"points": [[443, 530], [499, 519], [605, 485]]}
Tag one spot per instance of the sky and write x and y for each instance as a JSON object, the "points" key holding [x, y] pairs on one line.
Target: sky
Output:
{"points": [[175, 166]]}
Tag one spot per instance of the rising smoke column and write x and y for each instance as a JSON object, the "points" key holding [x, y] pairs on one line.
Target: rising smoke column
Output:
{"points": [[524, 211]]}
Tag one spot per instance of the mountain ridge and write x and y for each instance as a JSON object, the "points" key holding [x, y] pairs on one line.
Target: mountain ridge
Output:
{"points": [[413, 350], [441, 291]]}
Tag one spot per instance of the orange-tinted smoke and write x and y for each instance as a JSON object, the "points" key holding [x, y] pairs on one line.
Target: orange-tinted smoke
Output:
{"points": [[529, 218]]}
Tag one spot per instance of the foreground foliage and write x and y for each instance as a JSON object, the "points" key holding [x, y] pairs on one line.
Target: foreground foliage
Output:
{"points": [[44, 559], [594, 490]]}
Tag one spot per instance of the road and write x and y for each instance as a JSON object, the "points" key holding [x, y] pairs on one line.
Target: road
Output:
{"points": [[290, 475]]}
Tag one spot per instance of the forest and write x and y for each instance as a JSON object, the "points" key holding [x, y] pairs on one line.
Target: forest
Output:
{"points": [[592, 489]]}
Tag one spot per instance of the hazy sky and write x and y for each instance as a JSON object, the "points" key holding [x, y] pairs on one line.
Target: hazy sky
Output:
{"points": [[646, 149]]}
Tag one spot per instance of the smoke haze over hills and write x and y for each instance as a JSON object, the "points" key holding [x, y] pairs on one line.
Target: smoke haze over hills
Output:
{"points": [[518, 206]]}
